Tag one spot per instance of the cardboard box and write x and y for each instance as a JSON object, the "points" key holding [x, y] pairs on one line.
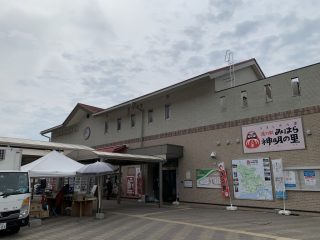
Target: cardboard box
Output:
{"points": [[78, 196], [44, 214], [35, 206], [35, 214]]}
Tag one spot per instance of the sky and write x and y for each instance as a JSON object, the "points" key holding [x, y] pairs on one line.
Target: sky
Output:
{"points": [[56, 53]]}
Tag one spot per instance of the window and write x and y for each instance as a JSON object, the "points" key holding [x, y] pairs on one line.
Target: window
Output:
{"points": [[150, 116], [106, 127], [222, 103], [244, 99], [133, 120], [119, 124], [296, 91], [2, 154], [267, 90], [167, 111]]}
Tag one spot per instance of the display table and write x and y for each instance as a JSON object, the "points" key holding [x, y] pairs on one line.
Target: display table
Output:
{"points": [[82, 207]]}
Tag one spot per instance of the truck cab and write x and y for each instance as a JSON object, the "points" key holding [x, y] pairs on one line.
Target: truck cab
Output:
{"points": [[14, 191]]}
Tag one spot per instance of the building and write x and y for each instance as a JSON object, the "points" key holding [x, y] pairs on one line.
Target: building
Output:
{"points": [[212, 118]]}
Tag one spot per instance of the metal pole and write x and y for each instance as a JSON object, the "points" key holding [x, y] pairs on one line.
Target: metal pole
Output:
{"points": [[160, 184], [119, 187], [99, 186], [33, 182]]}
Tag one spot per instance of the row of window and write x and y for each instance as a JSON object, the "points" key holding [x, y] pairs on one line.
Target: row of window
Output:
{"points": [[296, 91], [2, 154], [167, 113], [244, 103]]}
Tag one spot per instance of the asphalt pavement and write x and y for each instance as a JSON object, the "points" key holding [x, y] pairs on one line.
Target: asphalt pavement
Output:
{"points": [[132, 220]]}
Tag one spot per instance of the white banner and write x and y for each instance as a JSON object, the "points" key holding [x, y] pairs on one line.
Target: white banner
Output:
{"points": [[290, 179], [273, 136], [278, 177]]}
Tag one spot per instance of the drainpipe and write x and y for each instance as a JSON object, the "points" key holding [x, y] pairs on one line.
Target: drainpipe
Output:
{"points": [[140, 108], [46, 136]]}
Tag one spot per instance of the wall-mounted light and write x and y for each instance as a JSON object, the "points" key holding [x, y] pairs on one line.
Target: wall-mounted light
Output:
{"points": [[238, 140], [228, 142], [213, 155], [218, 143], [308, 132]]}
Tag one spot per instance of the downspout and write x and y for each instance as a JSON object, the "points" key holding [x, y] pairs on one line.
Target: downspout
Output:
{"points": [[43, 134], [142, 124]]}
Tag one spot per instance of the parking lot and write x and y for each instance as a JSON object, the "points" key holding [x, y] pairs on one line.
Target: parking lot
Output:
{"points": [[132, 220]]}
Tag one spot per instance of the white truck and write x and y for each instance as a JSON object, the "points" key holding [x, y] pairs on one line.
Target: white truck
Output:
{"points": [[14, 191]]}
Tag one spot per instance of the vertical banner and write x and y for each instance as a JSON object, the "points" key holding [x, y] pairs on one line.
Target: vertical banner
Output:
{"points": [[130, 185], [224, 181], [278, 178]]}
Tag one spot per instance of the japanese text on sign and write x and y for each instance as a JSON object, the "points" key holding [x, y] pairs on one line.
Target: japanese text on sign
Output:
{"points": [[273, 136]]}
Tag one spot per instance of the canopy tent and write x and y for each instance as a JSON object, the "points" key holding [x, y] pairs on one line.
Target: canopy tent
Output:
{"points": [[54, 164]]}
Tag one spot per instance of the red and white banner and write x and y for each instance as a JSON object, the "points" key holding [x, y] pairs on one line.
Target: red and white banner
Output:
{"points": [[224, 180], [273, 136], [131, 185]]}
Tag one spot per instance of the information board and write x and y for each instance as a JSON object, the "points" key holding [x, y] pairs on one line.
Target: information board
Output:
{"points": [[208, 178], [252, 179], [302, 179]]}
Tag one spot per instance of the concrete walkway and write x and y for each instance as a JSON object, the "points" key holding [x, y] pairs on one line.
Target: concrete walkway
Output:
{"points": [[132, 220]]}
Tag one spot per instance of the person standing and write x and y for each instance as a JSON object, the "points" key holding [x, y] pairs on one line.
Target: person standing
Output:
{"points": [[109, 188]]}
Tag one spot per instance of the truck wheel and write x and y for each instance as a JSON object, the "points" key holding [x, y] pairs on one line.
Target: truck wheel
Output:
{"points": [[15, 229]]}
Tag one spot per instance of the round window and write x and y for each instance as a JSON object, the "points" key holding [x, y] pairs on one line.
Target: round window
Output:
{"points": [[86, 133]]}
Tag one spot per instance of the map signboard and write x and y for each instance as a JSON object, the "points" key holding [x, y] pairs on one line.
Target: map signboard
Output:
{"points": [[208, 178], [273, 136], [252, 179]]}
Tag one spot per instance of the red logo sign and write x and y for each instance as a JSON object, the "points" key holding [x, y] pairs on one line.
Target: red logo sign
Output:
{"points": [[252, 140]]}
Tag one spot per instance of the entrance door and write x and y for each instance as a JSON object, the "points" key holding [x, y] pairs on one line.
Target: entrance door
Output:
{"points": [[169, 185]]}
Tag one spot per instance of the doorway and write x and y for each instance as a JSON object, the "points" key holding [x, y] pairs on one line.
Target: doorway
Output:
{"points": [[169, 185]]}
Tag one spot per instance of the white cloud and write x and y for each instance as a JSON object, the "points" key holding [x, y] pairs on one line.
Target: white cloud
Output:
{"points": [[101, 52]]}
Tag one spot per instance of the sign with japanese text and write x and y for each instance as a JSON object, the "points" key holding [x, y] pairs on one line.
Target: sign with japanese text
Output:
{"points": [[273, 136], [130, 185], [252, 179], [208, 178], [309, 177], [188, 183]]}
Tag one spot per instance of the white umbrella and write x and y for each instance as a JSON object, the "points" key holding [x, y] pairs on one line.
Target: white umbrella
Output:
{"points": [[97, 169]]}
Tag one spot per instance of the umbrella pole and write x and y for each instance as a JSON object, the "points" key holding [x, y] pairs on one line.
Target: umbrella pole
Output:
{"points": [[99, 195], [99, 214]]}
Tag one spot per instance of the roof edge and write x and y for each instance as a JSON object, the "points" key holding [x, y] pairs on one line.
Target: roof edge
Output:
{"points": [[179, 84]]}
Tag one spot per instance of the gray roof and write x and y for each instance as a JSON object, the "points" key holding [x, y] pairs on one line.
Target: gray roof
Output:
{"points": [[27, 143]]}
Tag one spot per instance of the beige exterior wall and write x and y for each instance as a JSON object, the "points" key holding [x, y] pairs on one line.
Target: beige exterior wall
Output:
{"points": [[197, 123], [199, 105], [197, 149]]}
